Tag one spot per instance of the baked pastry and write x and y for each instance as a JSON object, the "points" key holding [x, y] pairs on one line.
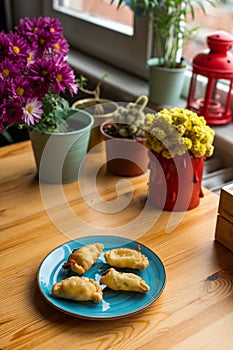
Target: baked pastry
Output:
{"points": [[78, 288], [126, 258], [116, 280], [82, 259]]}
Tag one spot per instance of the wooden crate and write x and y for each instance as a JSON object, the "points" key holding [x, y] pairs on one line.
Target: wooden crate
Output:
{"points": [[224, 225], [226, 202], [224, 232]]}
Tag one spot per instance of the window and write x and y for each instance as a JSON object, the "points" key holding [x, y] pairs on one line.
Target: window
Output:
{"points": [[126, 44], [220, 18], [122, 45], [99, 12], [120, 38]]}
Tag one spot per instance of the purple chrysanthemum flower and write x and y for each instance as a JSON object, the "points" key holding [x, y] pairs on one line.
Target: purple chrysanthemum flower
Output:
{"points": [[40, 74], [64, 77], [6, 89], [4, 44], [39, 87], [43, 69], [18, 47], [32, 112], [52, 25], [32, 55], [30, 27], [48, 36], [11, 111], [44, 41], [60, 46], [21, 88], [9, 68], [27, 28]]}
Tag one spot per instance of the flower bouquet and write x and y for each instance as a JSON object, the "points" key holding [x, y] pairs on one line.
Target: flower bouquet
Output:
{"points": [[33, 72], [179, 141], [176, 131]]}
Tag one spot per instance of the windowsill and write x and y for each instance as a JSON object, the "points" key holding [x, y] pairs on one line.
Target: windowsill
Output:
{"points": [[122, 86], [224, 142]]}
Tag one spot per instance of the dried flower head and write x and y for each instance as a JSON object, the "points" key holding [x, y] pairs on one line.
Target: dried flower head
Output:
{"points": [[176, 131]]}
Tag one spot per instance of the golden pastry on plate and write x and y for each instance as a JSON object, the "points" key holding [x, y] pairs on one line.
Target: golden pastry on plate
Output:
{"points": [[82, 259], [78, 288], [126, 258], [124, 281]]}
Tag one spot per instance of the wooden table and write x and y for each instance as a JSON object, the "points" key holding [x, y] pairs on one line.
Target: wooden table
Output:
{"points": [[195, 310]]}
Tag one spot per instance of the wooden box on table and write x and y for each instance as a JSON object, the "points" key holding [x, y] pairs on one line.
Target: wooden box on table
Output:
{"points": [[224, 225]]}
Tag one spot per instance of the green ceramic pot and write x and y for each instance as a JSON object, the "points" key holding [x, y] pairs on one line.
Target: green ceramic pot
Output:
{"points": [[59, 156], [165, 84]]}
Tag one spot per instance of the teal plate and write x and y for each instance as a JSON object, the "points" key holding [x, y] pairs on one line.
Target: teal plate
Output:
{"points": [[115, 304]]}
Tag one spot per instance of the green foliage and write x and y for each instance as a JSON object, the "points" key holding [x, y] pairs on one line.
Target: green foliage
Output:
{"points": [[82, 83], [169, 20], [55, 111]]}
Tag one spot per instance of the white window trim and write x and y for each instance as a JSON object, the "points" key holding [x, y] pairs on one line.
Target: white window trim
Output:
{"points": [[104, 22]]}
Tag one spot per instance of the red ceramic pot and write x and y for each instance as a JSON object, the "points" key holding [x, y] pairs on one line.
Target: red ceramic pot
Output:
{"points": [[175, 184], [124, 157]]}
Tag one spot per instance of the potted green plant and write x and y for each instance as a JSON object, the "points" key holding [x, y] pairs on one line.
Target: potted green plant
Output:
{"points": [[169, 26], [96, 100], [124, 137], [100, 108], [33, 72], [179, 141]]}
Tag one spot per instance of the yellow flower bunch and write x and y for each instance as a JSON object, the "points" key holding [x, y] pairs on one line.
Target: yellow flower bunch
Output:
{"points": [[176, 131]]}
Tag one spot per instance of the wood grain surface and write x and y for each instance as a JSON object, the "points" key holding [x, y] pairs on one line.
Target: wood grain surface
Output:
{"points": [[195, 310]]}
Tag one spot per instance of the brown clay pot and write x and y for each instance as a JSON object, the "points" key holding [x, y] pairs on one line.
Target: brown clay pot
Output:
{"points": [[124, 157]]}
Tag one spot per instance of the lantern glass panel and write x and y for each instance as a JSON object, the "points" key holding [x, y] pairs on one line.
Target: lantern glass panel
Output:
{"points": [[201, 87], [222, 89]]}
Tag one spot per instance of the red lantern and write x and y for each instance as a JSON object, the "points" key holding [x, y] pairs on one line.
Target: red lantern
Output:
{"points": [[211, 70]]}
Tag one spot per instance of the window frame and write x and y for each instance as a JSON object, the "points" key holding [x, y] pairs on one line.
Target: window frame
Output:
{"points": [[129, 53], [122, 69]]}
